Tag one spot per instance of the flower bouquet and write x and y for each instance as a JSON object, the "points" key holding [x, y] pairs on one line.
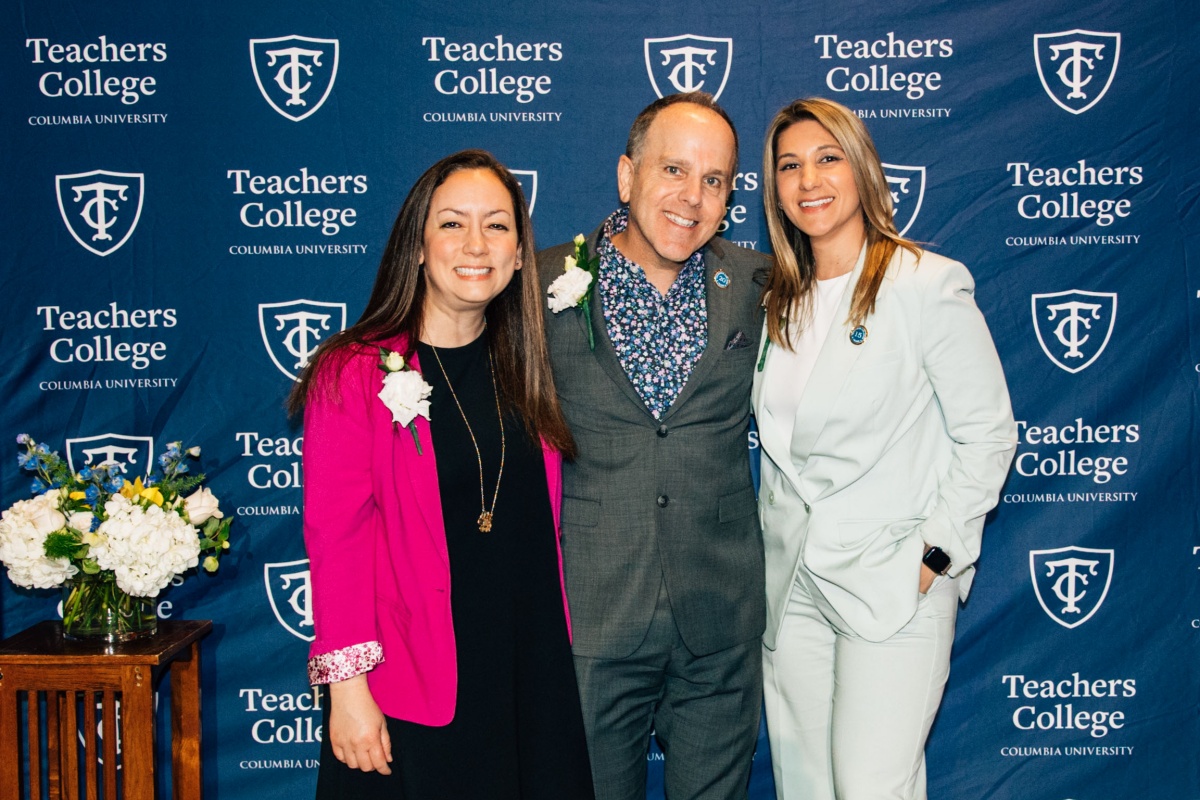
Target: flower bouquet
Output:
{"points": [[112, 544]]}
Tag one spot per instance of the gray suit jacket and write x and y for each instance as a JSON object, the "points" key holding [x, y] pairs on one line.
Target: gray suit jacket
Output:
{"points": [[651, 500]]}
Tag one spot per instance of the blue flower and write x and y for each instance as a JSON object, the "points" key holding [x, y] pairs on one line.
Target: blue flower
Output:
{"points": [[115, 484], [93, 494], [24, 438], [23, 461], [37, 487], [95, 522], [85, 474], [42, 449], [165, 459]]}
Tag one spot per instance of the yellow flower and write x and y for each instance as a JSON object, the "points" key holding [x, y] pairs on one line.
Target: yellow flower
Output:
{"points": [[579, 239], [210, 564], [77, 495], [131, 491], [138, 490]]}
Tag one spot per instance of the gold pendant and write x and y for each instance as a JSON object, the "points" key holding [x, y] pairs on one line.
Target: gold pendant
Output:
{"points": [[485, 522]]}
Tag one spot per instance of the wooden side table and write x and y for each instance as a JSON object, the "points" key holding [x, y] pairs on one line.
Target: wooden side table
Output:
{"points": [[40, 664]]}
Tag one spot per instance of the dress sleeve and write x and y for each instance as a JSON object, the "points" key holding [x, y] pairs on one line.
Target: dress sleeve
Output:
{"points": [[968, 380], [341, 522]]}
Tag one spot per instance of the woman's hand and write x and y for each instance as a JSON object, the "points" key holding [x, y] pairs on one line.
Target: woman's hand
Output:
{"points": [[927, 576], [357, 728]]}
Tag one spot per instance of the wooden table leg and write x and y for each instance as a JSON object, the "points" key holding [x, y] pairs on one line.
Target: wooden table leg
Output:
{"points": [[10, 744], [137, 734], [185, 724]]}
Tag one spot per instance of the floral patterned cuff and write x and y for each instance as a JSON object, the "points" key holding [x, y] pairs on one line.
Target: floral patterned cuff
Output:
{"points": [[339, 665]]}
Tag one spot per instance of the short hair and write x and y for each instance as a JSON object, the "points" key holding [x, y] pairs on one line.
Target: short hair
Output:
{"points": [[641, 124]]}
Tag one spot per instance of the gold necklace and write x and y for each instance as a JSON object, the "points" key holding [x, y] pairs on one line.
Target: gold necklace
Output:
{"points": [[485, 516]]}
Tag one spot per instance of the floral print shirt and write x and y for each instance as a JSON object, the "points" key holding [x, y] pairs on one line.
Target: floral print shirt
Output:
{"points": [[658, 339]]}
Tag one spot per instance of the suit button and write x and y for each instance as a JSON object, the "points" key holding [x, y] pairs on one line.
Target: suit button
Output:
{"points": [[663, 500], [806, 508], [771, 497], [662, 431]]}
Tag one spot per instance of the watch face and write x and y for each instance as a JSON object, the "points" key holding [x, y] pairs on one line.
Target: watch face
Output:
{"points": [[937, 560]]}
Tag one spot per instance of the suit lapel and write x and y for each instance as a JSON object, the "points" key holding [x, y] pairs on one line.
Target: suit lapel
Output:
{"points": [[604, 353], [420, 474], [834, 363], [771, 434], [718, 303]]}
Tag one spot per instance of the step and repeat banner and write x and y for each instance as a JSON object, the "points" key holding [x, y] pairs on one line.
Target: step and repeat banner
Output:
{"points": [[197, 196]]}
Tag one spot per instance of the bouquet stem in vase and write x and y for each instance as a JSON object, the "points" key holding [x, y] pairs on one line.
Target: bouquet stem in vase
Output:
{"points": [[94, 607]]}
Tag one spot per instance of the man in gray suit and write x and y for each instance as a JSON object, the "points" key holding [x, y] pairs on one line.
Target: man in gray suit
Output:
{"points": [[661, 542]]}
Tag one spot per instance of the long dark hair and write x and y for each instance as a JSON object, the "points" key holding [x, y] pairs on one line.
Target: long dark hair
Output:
{"points": [[789, 287], [514, 317]]}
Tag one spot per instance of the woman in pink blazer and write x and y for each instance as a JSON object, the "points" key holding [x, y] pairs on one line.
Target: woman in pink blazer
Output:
{"points": [[433, 446]]}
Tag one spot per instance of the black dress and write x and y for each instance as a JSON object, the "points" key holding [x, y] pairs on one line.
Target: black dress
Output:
{"points": [[517, 732]]}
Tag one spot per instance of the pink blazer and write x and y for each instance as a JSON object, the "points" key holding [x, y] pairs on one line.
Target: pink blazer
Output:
{"points": [[376, 544]]}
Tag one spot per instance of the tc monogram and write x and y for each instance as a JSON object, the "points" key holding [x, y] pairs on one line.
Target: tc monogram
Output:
{"points": [[130, 455], [1080, 323], [907, 186], [1078, 577], [289, 590], [100, 208], [684, 63], [297, 328], [1084, 63], [295, 73]]}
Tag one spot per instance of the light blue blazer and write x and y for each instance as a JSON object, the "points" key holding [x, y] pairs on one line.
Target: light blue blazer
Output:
{"points": [[901, 441]]}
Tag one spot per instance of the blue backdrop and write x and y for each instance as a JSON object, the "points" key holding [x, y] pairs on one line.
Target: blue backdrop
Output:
{"points": [[197, 196]]}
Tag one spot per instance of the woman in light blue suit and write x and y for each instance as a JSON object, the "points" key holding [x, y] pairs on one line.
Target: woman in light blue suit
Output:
{"points": [[887, 432]]}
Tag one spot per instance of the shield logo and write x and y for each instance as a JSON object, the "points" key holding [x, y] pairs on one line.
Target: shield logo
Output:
{"points": [[289, 590], [133, 455], [689, 63], [1076, 67], [100, 208], [907, 187], [1071, 582], [292, 331], [1074, 327], [295, 73], [528, 178]]}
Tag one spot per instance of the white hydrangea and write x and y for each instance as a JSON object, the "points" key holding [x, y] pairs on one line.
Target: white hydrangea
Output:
{"points": [[23, 531], [144, 547]]}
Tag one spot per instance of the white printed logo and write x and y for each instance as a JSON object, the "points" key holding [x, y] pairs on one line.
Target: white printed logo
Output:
{"points": [[689, 63], [290, 590], [1080, 322], [292, 331], [295, 73], [907, 186], [528, 178], [1071, 582], [1076, 67], [131, 455], [100, 208]]}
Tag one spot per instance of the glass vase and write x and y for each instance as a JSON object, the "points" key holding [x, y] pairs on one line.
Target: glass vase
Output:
{"points": [[94, 607]]}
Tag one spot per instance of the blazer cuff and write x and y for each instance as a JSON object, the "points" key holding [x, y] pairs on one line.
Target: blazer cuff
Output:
{"points": [[343, 664]]}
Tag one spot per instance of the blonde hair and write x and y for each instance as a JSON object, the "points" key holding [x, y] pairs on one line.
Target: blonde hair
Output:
{"points": [[790, 284]]}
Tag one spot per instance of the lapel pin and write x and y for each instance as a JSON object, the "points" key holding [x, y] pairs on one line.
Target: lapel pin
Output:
{"points": [[858, 335], [721, 279]]}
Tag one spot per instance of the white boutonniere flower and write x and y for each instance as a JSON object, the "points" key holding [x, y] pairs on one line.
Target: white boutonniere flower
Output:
{"points": [[405, 392], [573, 289]]}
